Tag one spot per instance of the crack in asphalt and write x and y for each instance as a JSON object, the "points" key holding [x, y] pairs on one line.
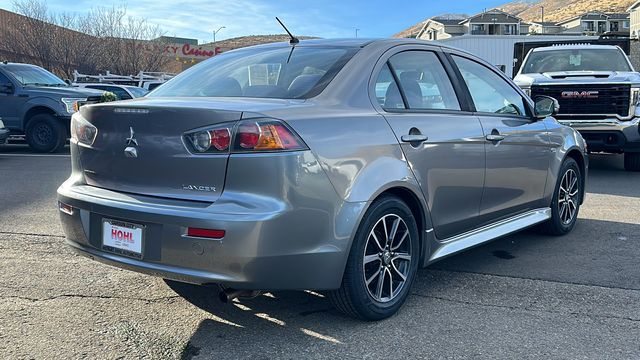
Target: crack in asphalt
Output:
{"points": [[526, 308], [30, 234], [80, 296]]}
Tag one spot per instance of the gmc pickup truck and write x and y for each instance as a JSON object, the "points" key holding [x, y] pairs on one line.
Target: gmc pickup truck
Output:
{"points": [[598, 91], [39, 105]]}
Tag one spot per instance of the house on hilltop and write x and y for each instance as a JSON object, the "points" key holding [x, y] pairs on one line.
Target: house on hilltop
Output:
{"points": [[491, 22]]}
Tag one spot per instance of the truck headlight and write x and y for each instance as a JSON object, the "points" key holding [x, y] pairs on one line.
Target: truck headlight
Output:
{"points": [[72, 104]]}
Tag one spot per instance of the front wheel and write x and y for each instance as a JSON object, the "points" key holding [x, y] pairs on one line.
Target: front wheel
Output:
{"points": [[566, 200], [632, 161], [382, 263], [45, 133]]}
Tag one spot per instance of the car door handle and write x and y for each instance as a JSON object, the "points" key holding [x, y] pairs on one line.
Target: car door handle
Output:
{"points": [[495, 137], [414, 138]]}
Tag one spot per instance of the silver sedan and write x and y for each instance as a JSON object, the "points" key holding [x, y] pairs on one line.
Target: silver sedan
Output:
{"points": [[334, 165]]}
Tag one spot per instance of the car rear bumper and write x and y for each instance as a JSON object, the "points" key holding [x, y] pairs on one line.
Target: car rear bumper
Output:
{"points": [[300, 243], [608, 135]]}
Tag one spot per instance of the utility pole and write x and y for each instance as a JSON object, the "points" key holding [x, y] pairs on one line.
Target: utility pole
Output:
{"points": [[542, 9]]}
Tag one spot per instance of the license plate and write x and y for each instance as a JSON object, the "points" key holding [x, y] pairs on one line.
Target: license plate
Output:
{"points": [[122, 237]]}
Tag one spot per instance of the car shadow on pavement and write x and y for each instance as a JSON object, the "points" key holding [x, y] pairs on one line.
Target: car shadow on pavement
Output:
{"points": [[596, 253]]}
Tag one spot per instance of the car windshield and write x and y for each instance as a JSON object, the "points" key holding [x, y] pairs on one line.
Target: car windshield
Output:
{"points": [[576, 60], [33, 75], [283, 72], [137, 91]]}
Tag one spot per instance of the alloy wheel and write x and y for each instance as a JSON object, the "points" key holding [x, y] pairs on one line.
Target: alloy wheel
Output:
{"points": [[568, 196], [387, 258]]}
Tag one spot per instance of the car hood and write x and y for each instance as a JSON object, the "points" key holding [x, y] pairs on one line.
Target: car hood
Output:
{"points": [[583, 77], [71, 92]]}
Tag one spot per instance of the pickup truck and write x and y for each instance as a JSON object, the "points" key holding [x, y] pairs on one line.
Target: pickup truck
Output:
{"points": [[37, 104], [598, 91]]}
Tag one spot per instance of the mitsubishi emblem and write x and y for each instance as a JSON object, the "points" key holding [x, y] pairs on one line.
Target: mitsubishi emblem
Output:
{"points": [[130, 150]]}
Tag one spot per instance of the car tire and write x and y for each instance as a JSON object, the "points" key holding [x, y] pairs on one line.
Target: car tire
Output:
{"points": [[565, 205], [367, 291], [632, 161], [45, 133]]}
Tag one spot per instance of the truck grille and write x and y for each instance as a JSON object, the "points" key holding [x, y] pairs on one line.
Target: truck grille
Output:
{"points": [[588, 98]]}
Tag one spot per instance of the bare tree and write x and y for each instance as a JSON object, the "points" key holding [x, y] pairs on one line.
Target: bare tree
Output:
{"points": [[103, 39]]}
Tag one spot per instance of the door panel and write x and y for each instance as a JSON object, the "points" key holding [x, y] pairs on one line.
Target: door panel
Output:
{"points": [[443, 145], [516, 166], [517, 147], [10, 106], [449, 166]]}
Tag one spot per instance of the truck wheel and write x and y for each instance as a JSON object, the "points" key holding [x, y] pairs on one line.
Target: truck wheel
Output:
{"points": [[382, 263], [632, 161], [45, 133], [566, 200]]}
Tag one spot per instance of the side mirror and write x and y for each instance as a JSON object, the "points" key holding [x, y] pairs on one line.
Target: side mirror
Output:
{"points": [[6, 88], [545, 106]]}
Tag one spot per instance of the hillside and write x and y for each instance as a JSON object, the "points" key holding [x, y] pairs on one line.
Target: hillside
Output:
{"points": [[244, 41], [554, 10], [557, 10]]}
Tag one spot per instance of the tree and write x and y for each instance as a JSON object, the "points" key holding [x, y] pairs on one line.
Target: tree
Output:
{"points": [[103, 39]]}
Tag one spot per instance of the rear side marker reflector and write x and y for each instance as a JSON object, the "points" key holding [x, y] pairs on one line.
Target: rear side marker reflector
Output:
{"points": [[67, 209], [205, 233]]}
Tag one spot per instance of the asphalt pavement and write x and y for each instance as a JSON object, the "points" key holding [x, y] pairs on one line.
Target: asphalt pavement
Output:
{"points": [[522, 296]]}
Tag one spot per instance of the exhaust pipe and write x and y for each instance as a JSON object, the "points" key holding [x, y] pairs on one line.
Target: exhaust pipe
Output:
{"points": [[227, 295]]}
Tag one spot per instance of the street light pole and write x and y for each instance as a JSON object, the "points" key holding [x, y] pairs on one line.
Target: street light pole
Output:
{"points": [[214, 34], [357, 32]]}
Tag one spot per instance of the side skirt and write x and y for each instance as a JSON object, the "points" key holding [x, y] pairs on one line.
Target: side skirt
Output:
{"points": [[455, 244]]}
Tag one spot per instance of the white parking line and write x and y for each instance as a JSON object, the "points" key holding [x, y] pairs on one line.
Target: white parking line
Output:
{"points": [[36, 155]]}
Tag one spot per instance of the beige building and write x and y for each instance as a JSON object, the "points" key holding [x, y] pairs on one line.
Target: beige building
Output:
{"points": [[596, 23], [492, 22], [634, 19]]}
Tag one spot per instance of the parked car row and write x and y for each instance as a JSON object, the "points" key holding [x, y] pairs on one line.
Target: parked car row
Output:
{"points": [[38, 104]]}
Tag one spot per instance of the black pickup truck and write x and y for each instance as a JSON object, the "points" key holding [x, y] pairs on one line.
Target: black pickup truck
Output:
{"points": [[598, 91], [37, 104]]}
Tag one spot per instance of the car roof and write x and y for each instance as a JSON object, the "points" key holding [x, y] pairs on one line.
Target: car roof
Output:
{"points": [[106, 84], [576, 47], [348, 42]]}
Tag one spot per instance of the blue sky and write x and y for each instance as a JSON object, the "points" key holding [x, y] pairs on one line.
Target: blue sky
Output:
{"points": [[328, 19]]}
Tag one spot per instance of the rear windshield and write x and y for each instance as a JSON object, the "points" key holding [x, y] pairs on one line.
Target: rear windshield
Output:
{"points": [[287, 73], [576, 60]]}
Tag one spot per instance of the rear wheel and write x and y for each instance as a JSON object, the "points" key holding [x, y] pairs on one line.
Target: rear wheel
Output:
{"points": [[45, 133], [566, 200], [382, 263], [632, 161]]}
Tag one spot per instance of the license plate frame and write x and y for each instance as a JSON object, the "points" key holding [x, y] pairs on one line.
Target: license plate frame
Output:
{"points": [[133, 248]]}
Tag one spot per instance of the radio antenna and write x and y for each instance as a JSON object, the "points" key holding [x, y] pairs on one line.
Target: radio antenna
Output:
{"points": [[294, 40]]}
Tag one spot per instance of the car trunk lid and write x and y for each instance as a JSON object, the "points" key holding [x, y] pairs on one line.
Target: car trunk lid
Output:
{"points": [[162, 165]]}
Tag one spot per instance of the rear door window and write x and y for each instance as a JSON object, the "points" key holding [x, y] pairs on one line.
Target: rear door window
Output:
{"points": [[424, 81], [387, 91]]}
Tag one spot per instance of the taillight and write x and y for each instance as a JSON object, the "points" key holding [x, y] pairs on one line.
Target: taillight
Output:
{"points": [[211, 140], [248, 136], [266, 135], [83, 131]]}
